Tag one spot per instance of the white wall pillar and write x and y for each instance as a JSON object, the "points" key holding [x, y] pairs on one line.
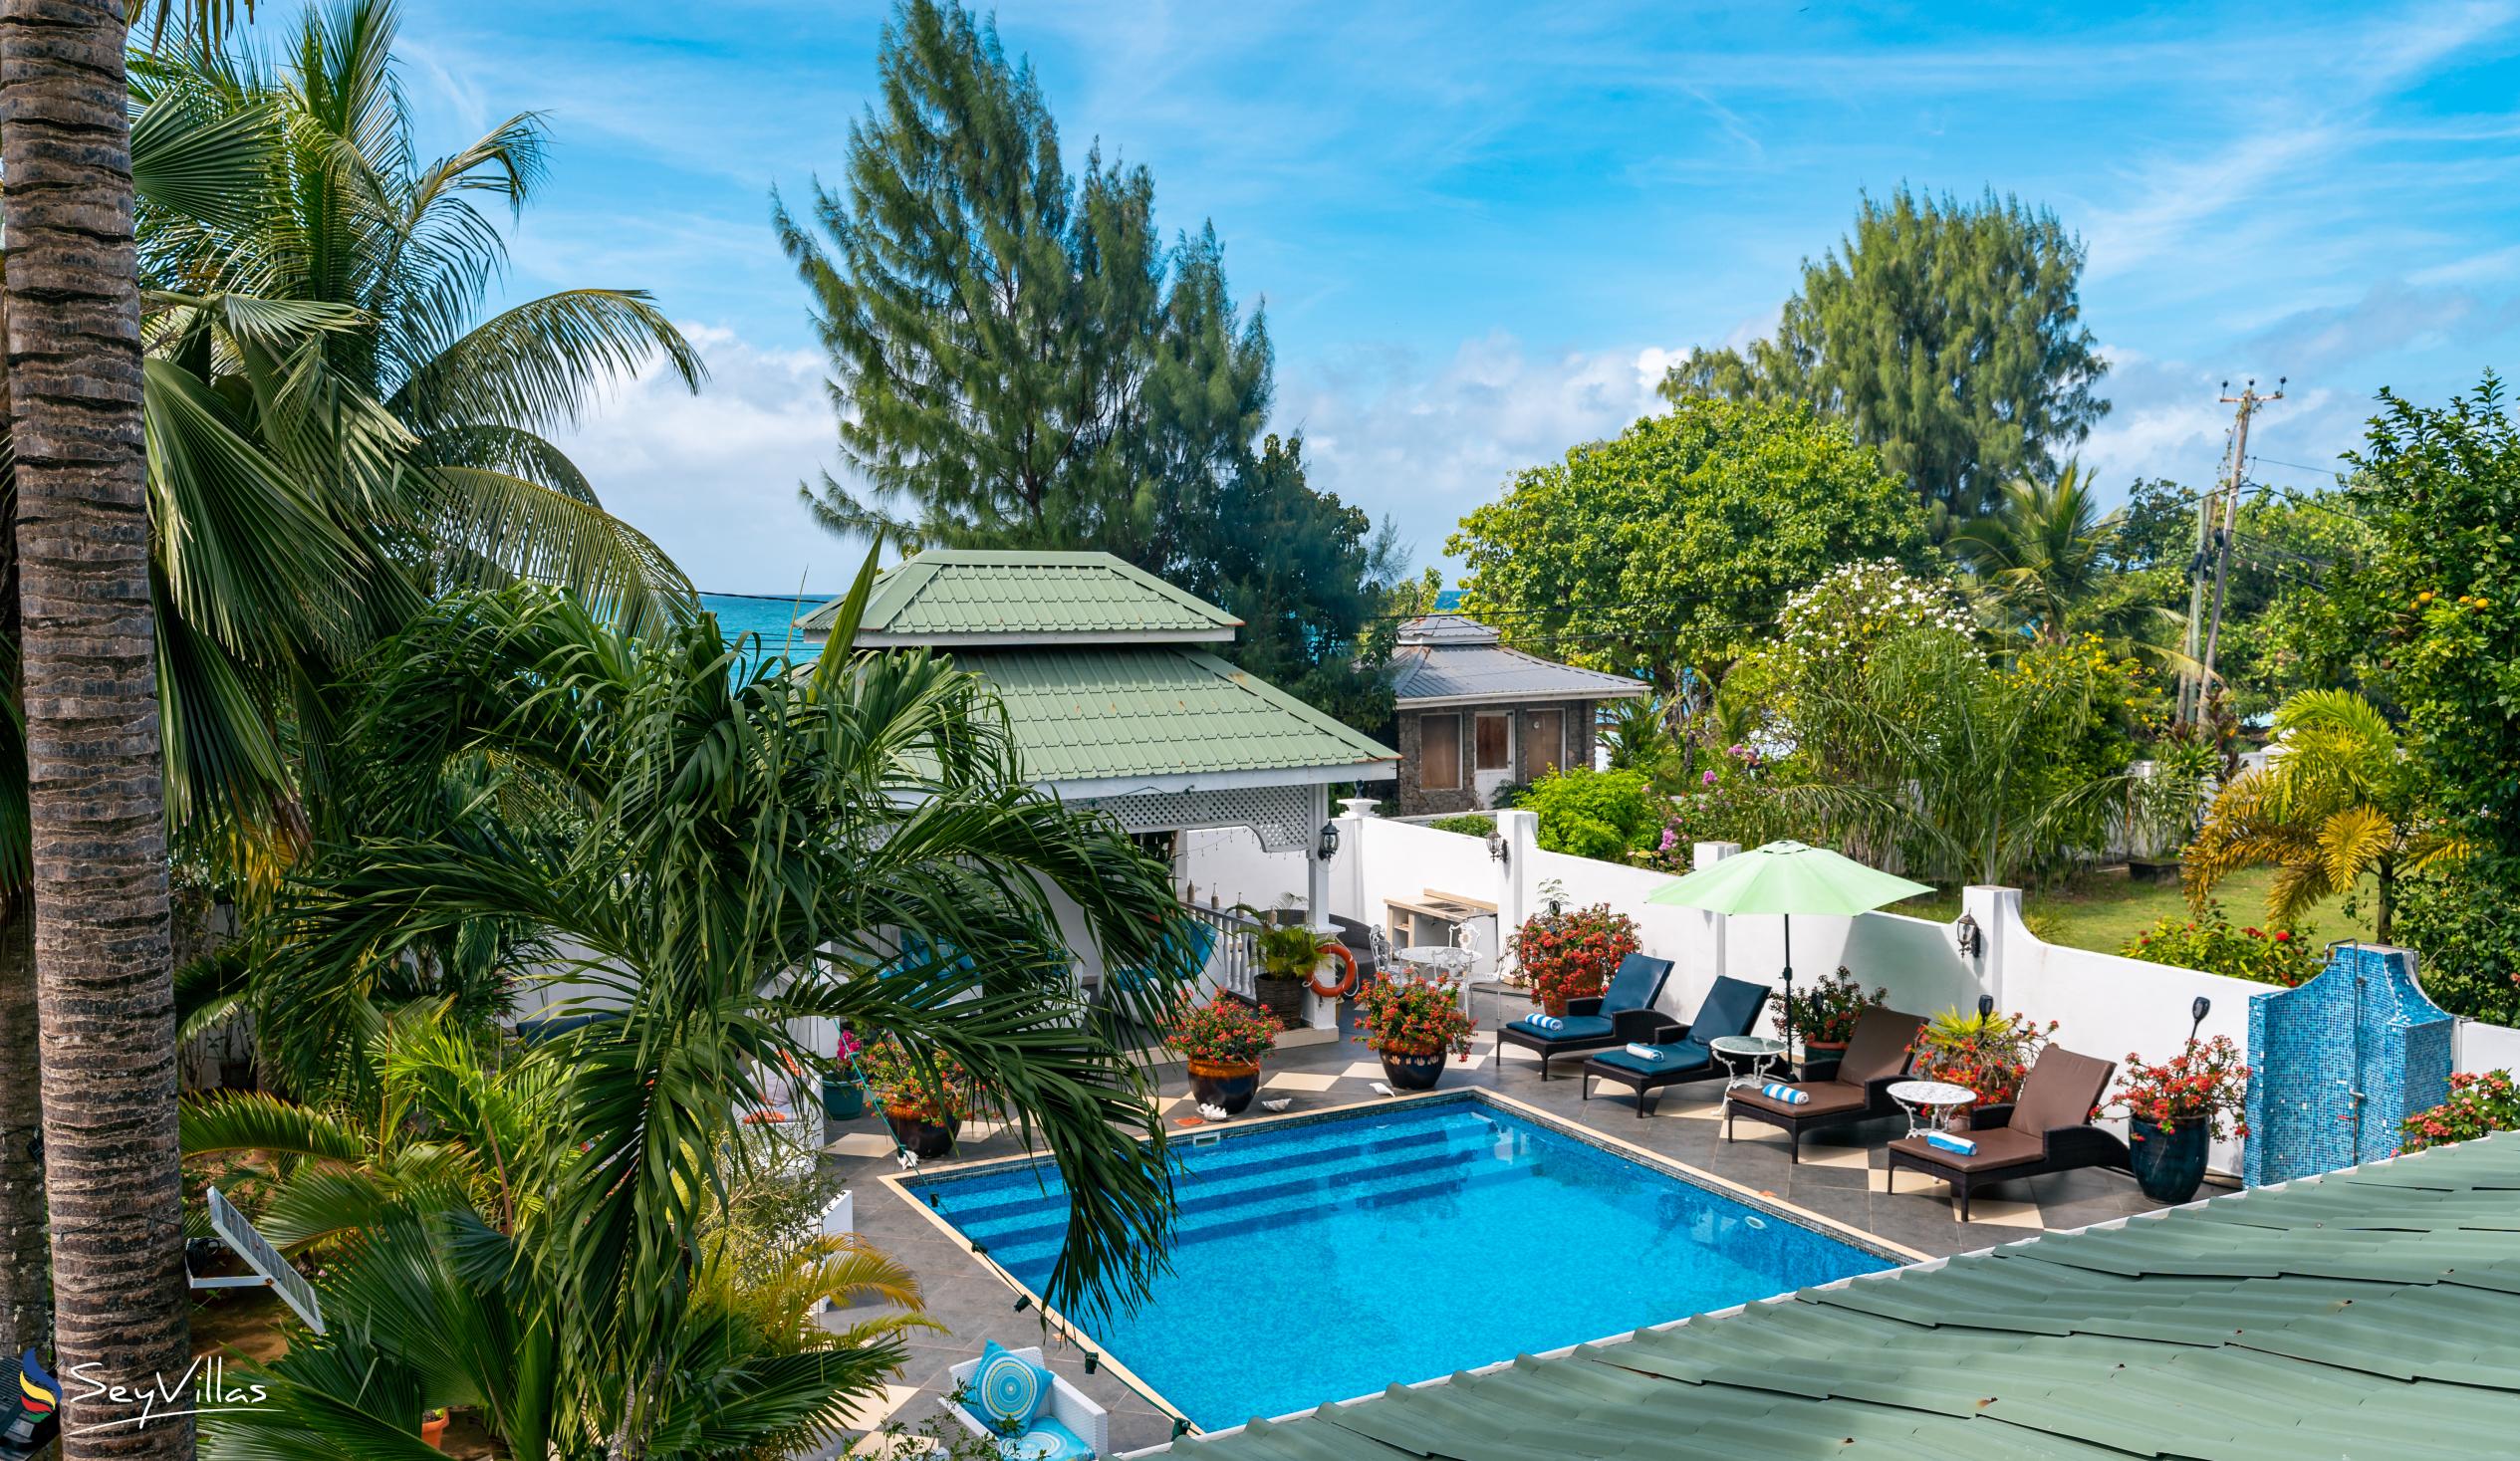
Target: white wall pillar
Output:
{"points": [[1354, 814], [1320, 1014], [2005, 938], [1702, 856], [1520, 833]]}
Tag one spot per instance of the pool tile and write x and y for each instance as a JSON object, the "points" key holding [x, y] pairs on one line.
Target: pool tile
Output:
{"points": [[1299, 1081], [861, 1143]]}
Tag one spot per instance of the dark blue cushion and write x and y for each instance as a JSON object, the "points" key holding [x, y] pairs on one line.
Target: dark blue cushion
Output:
{"points": [[1576, 1027], [1688, 1055], [1634, 985], [1047, 1440], [1731, 1008]]}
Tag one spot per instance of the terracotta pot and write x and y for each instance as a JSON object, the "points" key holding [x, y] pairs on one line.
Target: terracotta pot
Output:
{"points": [[1412, 1070], [433, 1431], [1282, 998], [925, 1139], [2168, 1166], [1224, 1086]]}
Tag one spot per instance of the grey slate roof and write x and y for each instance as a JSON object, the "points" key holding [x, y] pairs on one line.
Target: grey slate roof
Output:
{"points": [[2366, 1313], [1450, 659]]}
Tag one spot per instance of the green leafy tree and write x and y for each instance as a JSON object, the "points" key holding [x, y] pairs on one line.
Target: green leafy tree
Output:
{"points": [[1018, 361], [1597, 814], [1947, 334], [1675, 543]]}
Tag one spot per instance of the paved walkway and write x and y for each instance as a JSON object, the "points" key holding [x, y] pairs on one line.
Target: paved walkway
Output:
{"points": [[1841, 1177]]}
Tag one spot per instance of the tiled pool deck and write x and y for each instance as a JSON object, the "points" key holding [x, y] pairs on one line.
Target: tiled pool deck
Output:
{"points": [[1840, 1178]]}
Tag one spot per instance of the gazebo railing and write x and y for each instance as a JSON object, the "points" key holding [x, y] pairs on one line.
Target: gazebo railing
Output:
{"points": [[1233, 959]]}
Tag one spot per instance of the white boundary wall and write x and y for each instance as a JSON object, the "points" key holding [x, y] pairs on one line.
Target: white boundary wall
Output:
{"points": [[2104, 1005]]}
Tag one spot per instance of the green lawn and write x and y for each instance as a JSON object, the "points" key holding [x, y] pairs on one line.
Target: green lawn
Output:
{"points": [[2106, 910]]}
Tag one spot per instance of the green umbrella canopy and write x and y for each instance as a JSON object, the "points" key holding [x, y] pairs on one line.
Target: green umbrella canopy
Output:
{"points": [[1787, 877]]}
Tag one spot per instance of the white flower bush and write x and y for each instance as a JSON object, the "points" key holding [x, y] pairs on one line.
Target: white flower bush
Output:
{"points": [[1856, 605]]}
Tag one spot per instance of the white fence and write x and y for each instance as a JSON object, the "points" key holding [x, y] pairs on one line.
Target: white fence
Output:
{"points": [[2104, 1005]]}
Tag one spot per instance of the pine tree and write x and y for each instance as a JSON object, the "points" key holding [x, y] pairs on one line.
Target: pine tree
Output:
{"points": [[1946, 334]]}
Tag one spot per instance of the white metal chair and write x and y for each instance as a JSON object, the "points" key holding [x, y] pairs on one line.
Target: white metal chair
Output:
{"points": [[1067, 1404]]}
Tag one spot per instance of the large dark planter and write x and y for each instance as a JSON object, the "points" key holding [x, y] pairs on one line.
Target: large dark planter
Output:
{"points": [[1227, 1088], [2168, 1166], [1282, 998], [925, 1138], [1412, 1072], [843, 1100]]}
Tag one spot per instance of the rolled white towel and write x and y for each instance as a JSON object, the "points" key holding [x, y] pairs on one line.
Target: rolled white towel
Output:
{"points": [[1643, 1051], [1779, 1090], [1550, 1023], [1961, 1145]]}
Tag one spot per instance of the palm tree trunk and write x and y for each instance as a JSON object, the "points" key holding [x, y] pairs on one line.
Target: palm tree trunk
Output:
{"points": [[25, 1274], [102, 985]]}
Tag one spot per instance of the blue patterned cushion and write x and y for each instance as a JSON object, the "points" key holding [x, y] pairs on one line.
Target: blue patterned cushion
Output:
{"points": [[1688, 1055], [1047, 1440], [1007, 1391], [1572, 1027]]}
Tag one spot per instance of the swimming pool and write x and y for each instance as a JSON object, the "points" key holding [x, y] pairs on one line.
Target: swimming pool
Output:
{"points": [[1321, 1260]]}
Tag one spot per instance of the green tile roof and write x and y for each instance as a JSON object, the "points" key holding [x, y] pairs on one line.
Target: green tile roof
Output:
{"points": [[2368, 1314], [971, 596], [1091, 713]]}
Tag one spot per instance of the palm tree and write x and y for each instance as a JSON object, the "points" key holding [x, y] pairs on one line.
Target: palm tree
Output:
{"points": [[730, 851], [87, 676], [2045, 564], [2338, 800]]}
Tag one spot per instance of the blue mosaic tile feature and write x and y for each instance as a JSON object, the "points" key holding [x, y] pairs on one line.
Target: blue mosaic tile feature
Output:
{"points": [[2338, 1064]]}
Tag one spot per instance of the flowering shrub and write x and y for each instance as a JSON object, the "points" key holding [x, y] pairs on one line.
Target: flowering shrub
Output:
{"points": [[1419, 1015], [1569, 954], [1854, 605], [2209, 943], [1988, 1053], [2206, 1082], [1223, 1032], [2479, 1105], [939, 1093], [1603, 814], [1826, 1012]]}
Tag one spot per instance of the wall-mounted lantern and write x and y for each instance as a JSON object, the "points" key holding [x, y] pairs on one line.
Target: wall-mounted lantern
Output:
{"points": [[1498, 847], [1329, 845], [1973, 938]]}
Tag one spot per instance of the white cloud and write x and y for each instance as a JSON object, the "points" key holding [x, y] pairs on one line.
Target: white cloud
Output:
{"points": [[1425, 446], [713, 477]]}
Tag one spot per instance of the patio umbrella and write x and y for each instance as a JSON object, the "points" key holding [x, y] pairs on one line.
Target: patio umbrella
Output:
{"points": [[1787, 879]]}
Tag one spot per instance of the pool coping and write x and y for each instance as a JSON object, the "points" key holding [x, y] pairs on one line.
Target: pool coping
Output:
{"points": [[898, 1183]]}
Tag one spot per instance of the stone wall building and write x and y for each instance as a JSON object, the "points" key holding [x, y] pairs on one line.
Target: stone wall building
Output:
{"points": [[1475, 715]]}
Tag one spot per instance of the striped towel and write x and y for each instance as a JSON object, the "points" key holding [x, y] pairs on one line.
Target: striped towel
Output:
{"points": [[1544, 1021], [1643, 1051], [1960, 1145], [1779, 1090]]}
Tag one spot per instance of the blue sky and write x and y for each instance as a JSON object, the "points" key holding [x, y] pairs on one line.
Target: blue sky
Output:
{"points": [[1480, 229]]}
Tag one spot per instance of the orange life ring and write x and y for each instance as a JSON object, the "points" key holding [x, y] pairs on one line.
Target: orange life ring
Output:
{"points": [[1347, 960]]}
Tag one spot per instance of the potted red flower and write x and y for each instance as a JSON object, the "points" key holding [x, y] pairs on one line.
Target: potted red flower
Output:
{"points": [[1411, 1023], [2480, 1104], [1222, 1040], [1571, 953], [1825, 1013], [1989, 1054], [924, 1103], [2176, 1108]]}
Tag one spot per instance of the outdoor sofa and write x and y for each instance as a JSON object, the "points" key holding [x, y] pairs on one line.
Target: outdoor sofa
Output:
{"points": [[2047, 1128], [1854, 1088], [1066, 1427], [1622, 1012], [1681, 1054]]}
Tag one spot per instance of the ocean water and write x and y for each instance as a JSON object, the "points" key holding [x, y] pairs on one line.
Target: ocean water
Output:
{"points": [[1325, 1261], [768, 617]]}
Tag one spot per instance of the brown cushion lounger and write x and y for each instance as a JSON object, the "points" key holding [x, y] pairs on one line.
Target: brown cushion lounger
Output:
{"points": [[2047, 1129], [1859, 1089]]}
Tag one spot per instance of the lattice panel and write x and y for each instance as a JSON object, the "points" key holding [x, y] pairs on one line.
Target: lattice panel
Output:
{"points": [[1282, 816]]}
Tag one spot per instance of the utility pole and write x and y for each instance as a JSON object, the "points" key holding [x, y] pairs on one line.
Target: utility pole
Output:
{"points": [[2247, 401]]}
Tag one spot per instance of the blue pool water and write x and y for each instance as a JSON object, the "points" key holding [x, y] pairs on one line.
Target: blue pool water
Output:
{"points": [[1327, 1259]]}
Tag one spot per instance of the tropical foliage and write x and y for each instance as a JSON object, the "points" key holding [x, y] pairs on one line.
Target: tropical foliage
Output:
{"points": [[1419, 1014], [2338, 800], [1595, 814], [2207, 940], [1674, 544], [1991, 1053], [1825, 1010], [2479, 1105]]}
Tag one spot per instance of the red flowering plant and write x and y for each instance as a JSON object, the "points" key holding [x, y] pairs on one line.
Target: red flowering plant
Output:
{"points": [[1223, 1032], [1825, 1012], [936, 1090], [2206, 1082], [2208, 944], [1989, 1054], [2479, 1105], [1421, 1015], [1571, 953]]}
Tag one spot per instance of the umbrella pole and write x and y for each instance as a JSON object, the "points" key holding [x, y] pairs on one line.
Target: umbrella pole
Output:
{"points": [[1788, 987]]}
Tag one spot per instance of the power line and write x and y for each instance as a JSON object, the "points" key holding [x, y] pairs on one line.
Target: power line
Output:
{"points": [[2296, 466]]}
